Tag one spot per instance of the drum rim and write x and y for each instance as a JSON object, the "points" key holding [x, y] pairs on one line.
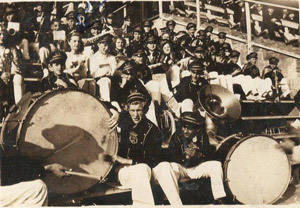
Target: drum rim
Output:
{"points": [[230, 152], [57, 91]]}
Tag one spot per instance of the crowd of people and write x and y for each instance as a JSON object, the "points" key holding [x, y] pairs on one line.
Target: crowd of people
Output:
{"points": [[138, 73], [266, 22]]}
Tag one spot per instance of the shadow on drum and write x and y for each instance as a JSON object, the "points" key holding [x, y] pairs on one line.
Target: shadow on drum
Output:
{"points": [[73, 148]]}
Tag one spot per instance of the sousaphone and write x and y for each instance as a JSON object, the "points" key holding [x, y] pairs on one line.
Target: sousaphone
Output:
{"points": [[219, 103]]}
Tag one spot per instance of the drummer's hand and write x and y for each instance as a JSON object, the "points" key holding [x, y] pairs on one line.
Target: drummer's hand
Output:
{"points": [[287, 146], [57, 170], [114, 119], [110, 158]]}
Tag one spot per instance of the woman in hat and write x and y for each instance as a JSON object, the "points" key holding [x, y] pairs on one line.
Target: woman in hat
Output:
{"points": [[250, 68]]}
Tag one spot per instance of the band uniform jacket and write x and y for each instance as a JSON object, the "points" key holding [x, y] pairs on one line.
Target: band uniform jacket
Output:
{"points": [[188, 90], [178, 144], [141, 143], [251, 70]]}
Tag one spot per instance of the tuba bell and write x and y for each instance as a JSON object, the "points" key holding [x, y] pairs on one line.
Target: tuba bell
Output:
{"points": [[220, 105]]}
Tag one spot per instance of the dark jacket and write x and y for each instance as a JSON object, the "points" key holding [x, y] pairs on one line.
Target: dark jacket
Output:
{"points": [[141, 143], [188, 90], [251, 70], [178, 143]]}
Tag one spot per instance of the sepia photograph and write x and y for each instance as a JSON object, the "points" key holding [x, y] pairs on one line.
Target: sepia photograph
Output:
{"points": [[150, 103]]}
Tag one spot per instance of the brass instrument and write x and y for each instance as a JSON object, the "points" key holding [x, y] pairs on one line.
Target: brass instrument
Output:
{"points": [[220, 106]]}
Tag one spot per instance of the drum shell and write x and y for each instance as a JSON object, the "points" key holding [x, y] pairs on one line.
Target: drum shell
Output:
{"points": [[242, 170], [68, 127]]}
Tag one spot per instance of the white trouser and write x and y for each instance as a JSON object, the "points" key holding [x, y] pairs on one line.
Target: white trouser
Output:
{"points": [[167, 174], [104, 84], [137, 177], [31, 193]]}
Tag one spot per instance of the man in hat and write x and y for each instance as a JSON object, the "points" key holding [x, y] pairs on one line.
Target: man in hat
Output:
{"points": [[136, 42], [102, 67], [71, 22], [191, 29], [250, 68], [127, 27], [107, 24], [188, 156], [142, 70], [199, 53], [170, 29], [148, 31], [189, 86], [233, 68], [280, 86], [221, 40], [209, 30], [152, 52], [57, 78], [139, 150]]}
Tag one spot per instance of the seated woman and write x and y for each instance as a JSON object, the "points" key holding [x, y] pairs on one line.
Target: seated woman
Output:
{"points": [[76, 62], [167, 56]]}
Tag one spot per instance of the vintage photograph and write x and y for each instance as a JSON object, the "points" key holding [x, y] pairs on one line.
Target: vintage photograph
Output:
{"points": [[149, 103]]}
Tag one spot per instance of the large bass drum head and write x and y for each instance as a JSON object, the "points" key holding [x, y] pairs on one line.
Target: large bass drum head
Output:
{"points": [[70, 128], [256, 171]]}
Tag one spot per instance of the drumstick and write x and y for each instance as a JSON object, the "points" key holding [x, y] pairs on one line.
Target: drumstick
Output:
{"points": [[83, 175]]}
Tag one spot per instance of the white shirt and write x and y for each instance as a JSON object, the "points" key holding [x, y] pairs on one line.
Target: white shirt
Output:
{"points": [[101, 65]]}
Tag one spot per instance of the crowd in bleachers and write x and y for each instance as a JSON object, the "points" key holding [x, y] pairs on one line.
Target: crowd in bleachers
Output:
{"points": [[149, 74], [274, 23], [92, 53]]}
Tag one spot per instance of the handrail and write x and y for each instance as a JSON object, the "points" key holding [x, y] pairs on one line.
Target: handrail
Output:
{"points": [[273, 5], [122, 7]]}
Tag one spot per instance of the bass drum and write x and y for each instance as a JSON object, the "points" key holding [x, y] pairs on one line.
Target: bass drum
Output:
{"points": [[256, 171], [68, 127]]}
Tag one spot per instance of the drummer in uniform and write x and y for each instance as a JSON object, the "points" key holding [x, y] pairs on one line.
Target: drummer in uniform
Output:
{"points": [[139, 150], [189, 156]]}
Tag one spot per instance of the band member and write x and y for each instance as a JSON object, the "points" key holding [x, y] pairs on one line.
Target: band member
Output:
{"points": [[250, 68], [170, 29], [136, 43], [191, 29], [233, 68], [221, 41], [139, 150], [10, 65], [188, 156], [57, 77], [280, 86], [148, 31], [31, 191], [189, 86], [102, 66]]}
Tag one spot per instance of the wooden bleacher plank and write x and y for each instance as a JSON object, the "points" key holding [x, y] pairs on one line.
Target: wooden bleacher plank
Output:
{"points": [[190, 4], [229, 11], [257, 17], [290, 24], [214, 8]]}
